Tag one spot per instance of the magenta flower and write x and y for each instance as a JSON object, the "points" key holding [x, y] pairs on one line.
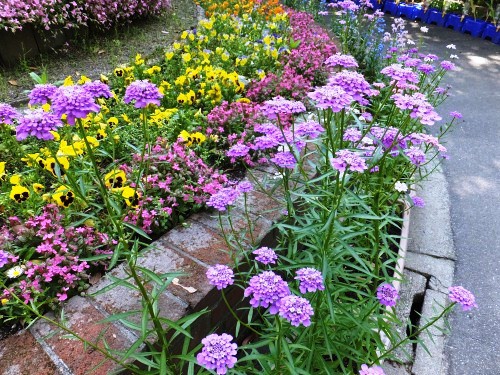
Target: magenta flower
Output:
{"points": [[373, 370], [387, 294], [462, 296], [4, 258], [238, 150], [74, 102], [37, 123], [296, 310], [416, 155], [143, 93], [265, 255], [447, 65], [220, 276], [266, 290], [218, 353], [333, 97], [310, 280], [7, 114]]}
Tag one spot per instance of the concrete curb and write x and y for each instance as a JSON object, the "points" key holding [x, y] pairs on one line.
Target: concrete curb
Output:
{"points": [[429, 270]]}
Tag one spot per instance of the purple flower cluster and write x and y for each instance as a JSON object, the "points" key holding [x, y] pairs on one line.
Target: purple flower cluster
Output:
{"points": [[419, 106], [373, 370], [387, 294], [333, 97], [4, 258], [266, 290], [143, 93], [310, 280], [218, 353], [462, 296], [352, 135], [220, 276], [402, 78], [296, 310], [418, 201], [339, 59], [354, 84], [265, 255], [351, 159], [245, 187], [7, 114], [37, 123], [238, 150], [74, 102], [447, 65], [279, 107], [223, 198], [98, 89], [310, 129], [284, 159], [41, 94], [416, 155]]}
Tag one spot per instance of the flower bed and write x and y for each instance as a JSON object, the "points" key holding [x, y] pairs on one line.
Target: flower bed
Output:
{"points": [[95, 170]]}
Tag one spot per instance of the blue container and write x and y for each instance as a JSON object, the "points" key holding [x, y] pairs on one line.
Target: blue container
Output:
{"points": [[376, 4], [436, 17], [407, 10], [455, 22], [490, 32], [392, 8], [421, 15], [475, 28]]}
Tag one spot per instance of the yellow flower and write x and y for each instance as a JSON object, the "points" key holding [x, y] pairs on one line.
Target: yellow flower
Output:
{"points": [[119, 72], [138, 59], [115, 179], [244, 100], [46, 107], [164, 87], [184, 34], [56, 135], [52, 166], [4, 301], [101, 134], [124, 117], [181, 81], [186, 57], [154, 69], [2, 169], [104, 79], [131, 196], [169, 55], [75, 149], [38, 187], [63, 196], [68, 81], [15, 179], [113, 121], [267, 40], [177, 45], [19, 193], [83, 79], [182, 98], [192, 138], [225, 56]]}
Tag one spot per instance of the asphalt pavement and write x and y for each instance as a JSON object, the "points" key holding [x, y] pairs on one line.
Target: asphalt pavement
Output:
{"points": [[473, 176]]}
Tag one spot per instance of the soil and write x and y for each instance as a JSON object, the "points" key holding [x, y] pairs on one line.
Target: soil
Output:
{"points": [[96, 54]]}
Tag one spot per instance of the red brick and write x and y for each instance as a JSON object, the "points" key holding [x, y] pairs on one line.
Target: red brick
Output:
{"points": [[84, 319], [20, 354], [200, 242]]}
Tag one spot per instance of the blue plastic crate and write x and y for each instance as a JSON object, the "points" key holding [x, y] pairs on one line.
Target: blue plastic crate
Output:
{"points": [[407, 10], [490, 32], [392, 8], [455, 22], [421, 15], [475, 28], [436, 17]]}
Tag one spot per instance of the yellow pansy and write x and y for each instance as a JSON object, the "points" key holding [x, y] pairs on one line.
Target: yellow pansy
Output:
{"points": [[181, 81], [19, 193], [153, 70], [113, 121], [63, 196], [2, 169], [46, 107], [15, 179], [186, 57], [119, 72], [104, 79], [115, 179], [83, 79], [101, 134], [131, 196], [68, 81], [138, 59], [177, 45], [38, 187], [192, 138], [52, 166], [164, 87], [169, 55]]}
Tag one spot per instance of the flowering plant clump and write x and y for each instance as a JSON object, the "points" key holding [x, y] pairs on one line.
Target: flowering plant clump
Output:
{"points": [[95, 170]]}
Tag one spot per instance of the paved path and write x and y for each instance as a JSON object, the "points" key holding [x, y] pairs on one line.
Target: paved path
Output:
{"points": [[473, 175]]}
